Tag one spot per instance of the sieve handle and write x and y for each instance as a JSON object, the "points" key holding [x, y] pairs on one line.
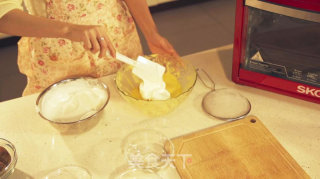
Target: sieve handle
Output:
{"points": [[209, 83]]}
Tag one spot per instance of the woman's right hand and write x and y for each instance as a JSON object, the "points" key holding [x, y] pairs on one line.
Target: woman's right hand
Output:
{"points": [[94, 38]]}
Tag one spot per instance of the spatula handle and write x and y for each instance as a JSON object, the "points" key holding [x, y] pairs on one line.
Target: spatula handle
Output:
{"points": [[125, 59]]}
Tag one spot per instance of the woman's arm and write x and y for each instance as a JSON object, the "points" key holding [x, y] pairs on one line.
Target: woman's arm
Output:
{"points": [[141, 14], [20, 23]]}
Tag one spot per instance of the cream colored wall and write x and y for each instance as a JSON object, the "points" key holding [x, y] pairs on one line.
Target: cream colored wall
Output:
{"points": [[3, 36], [156, 2]]}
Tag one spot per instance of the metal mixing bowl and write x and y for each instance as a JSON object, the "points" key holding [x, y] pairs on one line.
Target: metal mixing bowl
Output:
{"points": [[128, 85], [91, 81]]}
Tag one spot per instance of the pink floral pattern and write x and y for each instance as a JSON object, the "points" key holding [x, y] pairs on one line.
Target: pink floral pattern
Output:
{"points": [[119, 17], [40, 62], [62, 42], [49, 3], [46, 49], [53, 57], [71, 7], [130, 19], [100, 5], [47, 60]]}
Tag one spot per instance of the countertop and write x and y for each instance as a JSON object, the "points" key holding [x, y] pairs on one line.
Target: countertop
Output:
{"points": [[41, 146]]}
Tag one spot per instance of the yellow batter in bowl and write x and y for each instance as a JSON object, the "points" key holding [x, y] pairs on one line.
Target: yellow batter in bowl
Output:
{"points": [[172, 85], [180, 77]]}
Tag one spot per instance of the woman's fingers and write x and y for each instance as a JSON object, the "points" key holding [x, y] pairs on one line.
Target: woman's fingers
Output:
{"points": [[109, 47], [103, 46], [86, 42], [159, 44], [94, 38], [167, 47], [94, 42], [103, 40], [112, 50]]}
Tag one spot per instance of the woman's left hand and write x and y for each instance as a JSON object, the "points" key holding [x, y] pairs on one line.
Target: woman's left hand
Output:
{"points": [[160, 45]]}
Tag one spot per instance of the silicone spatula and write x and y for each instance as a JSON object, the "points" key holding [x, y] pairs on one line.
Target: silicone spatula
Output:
{"points": [[151, 73], [143, 67]]}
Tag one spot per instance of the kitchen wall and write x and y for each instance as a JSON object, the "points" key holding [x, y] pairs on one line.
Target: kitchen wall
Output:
{"points": [[157, 2], [3, 36]]}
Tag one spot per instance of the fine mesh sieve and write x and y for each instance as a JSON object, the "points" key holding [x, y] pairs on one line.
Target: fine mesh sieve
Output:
{"points": [[224, 104]]}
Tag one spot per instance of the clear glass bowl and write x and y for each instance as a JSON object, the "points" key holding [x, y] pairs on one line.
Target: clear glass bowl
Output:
{"points": [[178, 72], [9, 147], [138, 174], [69, 172], [148, 149]]}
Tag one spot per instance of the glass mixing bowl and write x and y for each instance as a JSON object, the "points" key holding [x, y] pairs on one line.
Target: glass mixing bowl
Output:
{"points": [[180, 78], [148, 149]]}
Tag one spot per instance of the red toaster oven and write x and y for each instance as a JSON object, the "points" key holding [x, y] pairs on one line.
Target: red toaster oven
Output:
{"points": [[277, 46]]}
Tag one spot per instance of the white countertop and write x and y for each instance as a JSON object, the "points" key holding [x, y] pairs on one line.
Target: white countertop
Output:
{"points": [[41, 148]]}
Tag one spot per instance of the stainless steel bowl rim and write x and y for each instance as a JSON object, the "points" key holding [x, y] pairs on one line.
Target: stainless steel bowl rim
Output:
{"points": [[67, 80]]}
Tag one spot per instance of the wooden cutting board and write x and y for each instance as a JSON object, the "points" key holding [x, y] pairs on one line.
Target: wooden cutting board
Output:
{"points": [[239, 149]]}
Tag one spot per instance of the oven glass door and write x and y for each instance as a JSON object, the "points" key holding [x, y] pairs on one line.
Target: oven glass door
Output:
{"points": [[282, 42]]}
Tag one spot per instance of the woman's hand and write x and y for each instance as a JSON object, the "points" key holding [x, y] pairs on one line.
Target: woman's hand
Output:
{"points": [[160, 45], [142, 16], [93, 37]]}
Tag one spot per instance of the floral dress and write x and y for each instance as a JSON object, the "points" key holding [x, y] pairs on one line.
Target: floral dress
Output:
{"points": [[47, 60]]}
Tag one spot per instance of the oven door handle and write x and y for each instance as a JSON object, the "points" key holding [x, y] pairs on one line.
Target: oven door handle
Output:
{"points": [[284, 10]]}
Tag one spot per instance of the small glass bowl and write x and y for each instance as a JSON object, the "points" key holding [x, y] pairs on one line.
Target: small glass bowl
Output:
{"points": [[128, 85], [147, 149], [9, 147], [69, 172], [139, 174]]}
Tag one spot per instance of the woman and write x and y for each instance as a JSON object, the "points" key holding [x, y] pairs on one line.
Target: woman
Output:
{"points": [[64, 38]]}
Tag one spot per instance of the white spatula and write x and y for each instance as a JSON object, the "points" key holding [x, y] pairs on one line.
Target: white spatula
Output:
{"points": [[143, 68], [151, 73]]}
